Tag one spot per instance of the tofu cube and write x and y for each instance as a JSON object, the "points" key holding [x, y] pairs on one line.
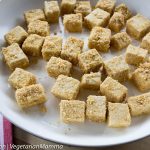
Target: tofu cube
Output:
{"points": [[31, 95], [99, 39], [52, 11], [83, 7], [71, 49], [73, 22], [138, 26], [118, 115], [91, 81], [72, 111], [15, 57], [124, 10], [21, 78], [96, 108], [141, 77], [67, 6], [33, 45], [146, 42], [135, 55], [107, 5], [120, 41], [97, 17], [90, 61], [117, 68], [39, 27], [116, 22], [139, 105], [16, 35], [66, 87], [113, 90], [52, 47], [57, 66], [35, 14]]}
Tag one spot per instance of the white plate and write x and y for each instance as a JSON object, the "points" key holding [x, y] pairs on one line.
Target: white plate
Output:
{"points": [[47, 125]]}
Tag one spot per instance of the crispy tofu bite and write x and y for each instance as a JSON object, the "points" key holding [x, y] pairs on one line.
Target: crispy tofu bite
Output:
{"points": [[33, 45], [141, 77], [96, 108], [71, 49], [72, 111], [118, 115], [52, 11], [116, 22], [90, 61], [138, 26], [83, 7], [66, 87], [135, 55], [16, 35], [35, 14], [120, 41], [57, 66], [52, 47], [21, 78], [117, 68], [15, 57], [146, 42], [123, 9], [97, 17], [30, 96], [113, 90], [139, 105], [73, 22], [67, 6], [99, 39], [107, 5], [39, 27], [91, 81]]}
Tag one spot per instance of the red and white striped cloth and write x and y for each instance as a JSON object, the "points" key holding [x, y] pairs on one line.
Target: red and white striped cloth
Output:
{"points": [[5, 132]]}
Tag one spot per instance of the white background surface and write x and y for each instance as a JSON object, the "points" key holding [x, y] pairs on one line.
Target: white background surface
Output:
{"points": [[48, 125]]}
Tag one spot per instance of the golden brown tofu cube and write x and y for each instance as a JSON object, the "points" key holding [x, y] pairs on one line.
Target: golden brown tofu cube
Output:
{"points": [[30, 96], [33, 45], [67, 6], [21, 78], [113, 90], [35, 14], [52, 11], [66, 87], [39, 27], [107, 5], [138, 26], [16, 35], [141, 77], [57, 66], [117, 68], [146, 42], [91, 81], [73, 22], [72, 111], [52, 47], [71, 49], [139, 105], [135, 55], [15, 57], [96, 108], [99, 39], [97, 17], [118, 115], [90, 61], [120, 41]]}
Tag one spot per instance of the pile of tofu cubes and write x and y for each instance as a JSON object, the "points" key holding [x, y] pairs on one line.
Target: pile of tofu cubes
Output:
{"points": [[105, 23]]}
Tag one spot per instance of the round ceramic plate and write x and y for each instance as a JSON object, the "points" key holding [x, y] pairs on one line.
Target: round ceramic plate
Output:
{"points": [[47, 125]]}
